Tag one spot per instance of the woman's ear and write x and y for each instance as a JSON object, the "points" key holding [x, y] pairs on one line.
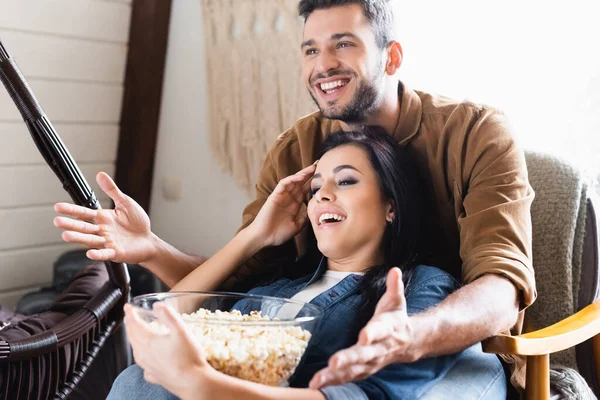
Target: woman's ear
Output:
{"points": [[391, 215]]}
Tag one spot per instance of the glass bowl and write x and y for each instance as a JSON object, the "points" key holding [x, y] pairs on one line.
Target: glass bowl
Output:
{"points": [[251, 337]]}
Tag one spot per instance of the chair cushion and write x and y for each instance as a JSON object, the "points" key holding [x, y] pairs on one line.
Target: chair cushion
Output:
{"points": [[85, 284]]}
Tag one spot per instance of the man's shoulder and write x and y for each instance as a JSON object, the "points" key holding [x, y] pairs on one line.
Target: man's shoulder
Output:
{"points": [[449, 108], [306, 135], [306, 125]]}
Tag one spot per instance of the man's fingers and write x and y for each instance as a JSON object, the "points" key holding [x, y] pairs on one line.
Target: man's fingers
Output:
{"points": [[101, 254], [357, 355], [393, 299], [75, 225], [84, 239], [323, 378], [328, 377], [79, 212], [109, 187]]}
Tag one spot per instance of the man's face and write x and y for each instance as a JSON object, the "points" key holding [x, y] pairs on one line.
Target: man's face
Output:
{"points": [[343, 67]]}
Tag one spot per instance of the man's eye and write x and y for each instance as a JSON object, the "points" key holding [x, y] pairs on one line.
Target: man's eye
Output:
{"points": [[344, 44], [310, 52], [314, 190]]}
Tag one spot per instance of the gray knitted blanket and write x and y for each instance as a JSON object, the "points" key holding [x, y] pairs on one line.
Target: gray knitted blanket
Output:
{"points": [[558, 222]]}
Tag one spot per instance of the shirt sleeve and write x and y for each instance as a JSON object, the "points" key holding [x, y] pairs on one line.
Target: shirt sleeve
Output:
{"points": [[495, 222]]}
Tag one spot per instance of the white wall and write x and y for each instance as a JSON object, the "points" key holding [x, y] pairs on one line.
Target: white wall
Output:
{"points": [[535, 60], [210, 207], [73, 54]]}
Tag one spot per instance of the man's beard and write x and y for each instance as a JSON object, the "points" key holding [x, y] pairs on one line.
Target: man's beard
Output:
{"points": [[365, 101]]}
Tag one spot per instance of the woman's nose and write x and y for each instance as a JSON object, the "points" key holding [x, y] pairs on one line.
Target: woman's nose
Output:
{"points": [[325, 194]]}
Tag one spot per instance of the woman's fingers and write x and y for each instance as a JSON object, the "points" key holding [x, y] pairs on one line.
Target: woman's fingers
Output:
{"points": [[168, 318], [101, 254], [85, 239], [75, 225], [294, 184], [109, 187], [79, 212]]}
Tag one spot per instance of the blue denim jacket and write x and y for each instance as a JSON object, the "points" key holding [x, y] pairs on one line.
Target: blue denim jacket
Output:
{"points": [[339, 328]]}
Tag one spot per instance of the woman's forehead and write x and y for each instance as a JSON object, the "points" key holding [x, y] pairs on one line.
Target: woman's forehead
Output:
{"points": [[343, 155]]}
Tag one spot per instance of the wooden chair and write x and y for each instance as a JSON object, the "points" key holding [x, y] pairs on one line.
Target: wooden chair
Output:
{"points": [[566, 314]]}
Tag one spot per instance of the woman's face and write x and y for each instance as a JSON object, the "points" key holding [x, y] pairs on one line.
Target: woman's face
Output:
{"points": [[348, 211]]}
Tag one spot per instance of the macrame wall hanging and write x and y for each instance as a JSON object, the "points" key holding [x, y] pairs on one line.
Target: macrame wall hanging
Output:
{"points": [[255, 80]]}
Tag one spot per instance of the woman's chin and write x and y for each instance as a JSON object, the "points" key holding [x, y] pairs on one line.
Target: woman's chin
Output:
{"points": [[330, 250]]}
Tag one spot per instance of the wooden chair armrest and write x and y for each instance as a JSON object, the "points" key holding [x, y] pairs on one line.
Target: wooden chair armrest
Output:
{"points": [[563, 335]]}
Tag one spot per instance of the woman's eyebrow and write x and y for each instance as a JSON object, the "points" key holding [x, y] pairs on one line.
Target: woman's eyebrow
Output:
{"points": [[344, 166], [336, 170]]}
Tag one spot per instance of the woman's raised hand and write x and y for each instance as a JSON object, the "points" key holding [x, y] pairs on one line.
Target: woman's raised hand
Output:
{"points": [[283, 215], [121, 235]]}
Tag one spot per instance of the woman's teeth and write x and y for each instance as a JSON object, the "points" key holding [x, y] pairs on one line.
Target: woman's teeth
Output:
{"points": [[332, 217], [331, 87]]}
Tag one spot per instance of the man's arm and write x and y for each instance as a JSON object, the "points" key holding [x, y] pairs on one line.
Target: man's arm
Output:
{"points": [[481, 309], [478, 310]]}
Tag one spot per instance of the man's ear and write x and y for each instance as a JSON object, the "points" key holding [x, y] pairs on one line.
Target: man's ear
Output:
{"points": [[394, 58]]}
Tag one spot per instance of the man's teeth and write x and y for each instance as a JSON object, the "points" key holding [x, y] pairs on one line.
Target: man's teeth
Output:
{"points": [[336, 217], [331, 87]]}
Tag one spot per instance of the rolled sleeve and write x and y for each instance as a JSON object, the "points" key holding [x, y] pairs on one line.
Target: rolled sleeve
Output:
{"points": [[495, 225], [349, 391]]}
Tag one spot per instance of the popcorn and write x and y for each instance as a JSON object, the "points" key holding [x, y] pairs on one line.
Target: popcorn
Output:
{"points": [[263, 354]]}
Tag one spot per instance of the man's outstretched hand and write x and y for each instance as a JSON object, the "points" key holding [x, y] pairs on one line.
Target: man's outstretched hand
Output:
{"points": [[386, 339]]}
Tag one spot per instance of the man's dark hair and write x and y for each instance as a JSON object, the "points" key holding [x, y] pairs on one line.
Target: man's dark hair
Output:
{"points": [[378, 12]]}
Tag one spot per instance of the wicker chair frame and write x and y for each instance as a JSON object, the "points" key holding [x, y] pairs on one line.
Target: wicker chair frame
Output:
{"points": [[52, 363]]}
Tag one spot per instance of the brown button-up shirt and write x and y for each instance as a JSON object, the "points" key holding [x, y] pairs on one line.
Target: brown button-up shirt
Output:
{"points": [[480, 197]]}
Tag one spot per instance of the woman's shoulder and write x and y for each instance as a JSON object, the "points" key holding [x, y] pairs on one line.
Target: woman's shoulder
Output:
{"points": [[426, 278]]}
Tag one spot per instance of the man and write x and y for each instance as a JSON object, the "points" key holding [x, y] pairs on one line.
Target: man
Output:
{"points": [[479, 219]]}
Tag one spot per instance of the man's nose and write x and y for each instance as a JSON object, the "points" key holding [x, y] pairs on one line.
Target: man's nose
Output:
{"points": [[326, 61]]}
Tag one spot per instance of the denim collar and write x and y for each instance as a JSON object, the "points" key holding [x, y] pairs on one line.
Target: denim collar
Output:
{"points": [[346, 287]]}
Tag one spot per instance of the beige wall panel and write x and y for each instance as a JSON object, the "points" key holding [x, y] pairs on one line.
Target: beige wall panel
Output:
{"points": [[70, 102], [92, 19], [29, 227], [37, 185], [54, 57], [86, 143]]}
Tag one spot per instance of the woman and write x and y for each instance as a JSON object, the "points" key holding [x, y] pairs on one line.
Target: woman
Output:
{"points": [[365, 216]]}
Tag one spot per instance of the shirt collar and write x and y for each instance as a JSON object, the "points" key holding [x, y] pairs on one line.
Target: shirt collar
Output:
{"points": [[411, 111]]}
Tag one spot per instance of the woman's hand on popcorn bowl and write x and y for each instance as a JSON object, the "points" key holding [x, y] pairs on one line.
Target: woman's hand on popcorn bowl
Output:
{"points": [[168, 353], [185, 343]]}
